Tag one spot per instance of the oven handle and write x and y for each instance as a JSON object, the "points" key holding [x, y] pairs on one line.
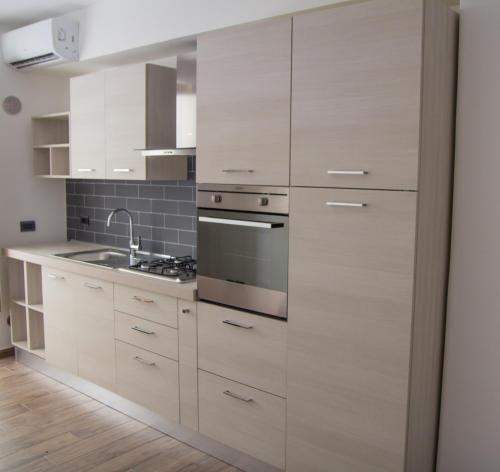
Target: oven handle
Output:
{"points": [[250, 224]]}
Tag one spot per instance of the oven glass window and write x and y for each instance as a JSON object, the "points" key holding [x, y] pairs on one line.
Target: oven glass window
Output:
{"points": [[245, 248]]}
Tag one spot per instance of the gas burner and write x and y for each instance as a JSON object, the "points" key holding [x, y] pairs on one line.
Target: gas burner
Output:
{"points": [[178, 269]]}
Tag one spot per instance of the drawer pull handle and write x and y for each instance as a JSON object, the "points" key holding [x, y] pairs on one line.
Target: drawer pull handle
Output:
{"points": [[233, 171], [237, 324], [86, 170], [92, 286], [185, 311], [345, 204], [123, 170], [144, 361], [141, 330], [346, 172], [143, 300], [238, 397], [55, 277]]}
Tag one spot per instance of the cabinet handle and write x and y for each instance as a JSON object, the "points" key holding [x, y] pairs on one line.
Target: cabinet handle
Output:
{"points": [[86, 170], [238, 397], [347, 172], [144, 361], [237, 324], [141, 330], [345, 204], [143, 300], [123, 170], [92, 286], [55, 277], [232, 171], [185, 311]]}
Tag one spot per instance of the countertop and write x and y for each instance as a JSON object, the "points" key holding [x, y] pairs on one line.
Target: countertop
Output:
{"points": [[43, 254]]}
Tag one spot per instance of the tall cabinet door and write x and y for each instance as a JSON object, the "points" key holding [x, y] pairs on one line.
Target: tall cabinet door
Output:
{"points": [[88, 136], [243, 96], [356, 96], [349, 329]]}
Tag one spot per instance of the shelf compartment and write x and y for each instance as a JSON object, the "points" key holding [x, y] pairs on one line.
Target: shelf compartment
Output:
{"points": [[36, 335], [18, 325], [33, 284], [51, 129], [16, 279]]}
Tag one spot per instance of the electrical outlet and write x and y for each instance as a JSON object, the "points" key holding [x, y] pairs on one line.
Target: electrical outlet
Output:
{"points": [[85, 220], [28, 225]]}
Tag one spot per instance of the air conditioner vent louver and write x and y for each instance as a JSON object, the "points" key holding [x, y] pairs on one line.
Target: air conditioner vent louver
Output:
{"points": [[35, 60]]}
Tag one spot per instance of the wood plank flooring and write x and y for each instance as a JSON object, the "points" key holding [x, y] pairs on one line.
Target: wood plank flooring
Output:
{"points": [[47, 426]]}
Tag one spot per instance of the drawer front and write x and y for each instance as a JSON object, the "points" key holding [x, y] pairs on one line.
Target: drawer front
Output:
{"points": [[148, 379], [147, 335], [243, 418], [243, 347], [148, 305]]}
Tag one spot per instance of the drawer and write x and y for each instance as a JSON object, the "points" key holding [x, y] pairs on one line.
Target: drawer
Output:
{"points": [[148, 305], [243, 418], [148, 379], [247, 348], [147, 335]]}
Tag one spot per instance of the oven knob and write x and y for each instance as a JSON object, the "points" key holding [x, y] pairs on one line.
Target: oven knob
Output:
{"points": [[216, 198], [263, 201]]}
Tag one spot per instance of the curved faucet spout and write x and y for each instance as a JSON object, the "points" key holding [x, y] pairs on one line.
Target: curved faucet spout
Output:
{"points": [[134, 247]]}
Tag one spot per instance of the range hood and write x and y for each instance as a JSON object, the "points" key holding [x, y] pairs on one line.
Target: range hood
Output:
{"points": [[185, 122]]}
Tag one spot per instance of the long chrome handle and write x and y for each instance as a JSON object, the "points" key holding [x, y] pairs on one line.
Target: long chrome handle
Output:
{"points": [[347, 172], [123, 170], [246, 223], [92, 286], [55, 277], [345, 204], [237, 396], [85, 170], [232, 171], [237, 324], [144, 361], [142, 300], [141, 330]]}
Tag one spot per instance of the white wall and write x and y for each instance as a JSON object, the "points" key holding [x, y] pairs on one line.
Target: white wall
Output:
{"points": [[23, 196], [113, 26], [470, 420]]}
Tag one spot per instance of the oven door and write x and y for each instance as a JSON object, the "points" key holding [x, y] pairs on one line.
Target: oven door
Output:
{"points": [[243, 260]]}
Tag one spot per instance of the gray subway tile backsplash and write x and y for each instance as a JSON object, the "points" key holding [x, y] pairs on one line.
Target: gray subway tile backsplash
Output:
{"points": [[164, 213]]}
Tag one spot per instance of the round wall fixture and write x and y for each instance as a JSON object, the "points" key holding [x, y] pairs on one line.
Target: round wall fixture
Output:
{"points": [[11, 105]]}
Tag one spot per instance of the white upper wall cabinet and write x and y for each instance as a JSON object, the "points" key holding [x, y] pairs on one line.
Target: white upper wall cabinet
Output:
{"points": [[243, 98], [356, 80]]}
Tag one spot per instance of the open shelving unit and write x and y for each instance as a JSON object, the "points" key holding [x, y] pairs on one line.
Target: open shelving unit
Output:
{"points": [[26, 306], [51, 145]]}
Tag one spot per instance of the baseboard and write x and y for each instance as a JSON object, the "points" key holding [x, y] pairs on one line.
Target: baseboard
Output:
{"points": [[9, 352], [186, 435]]}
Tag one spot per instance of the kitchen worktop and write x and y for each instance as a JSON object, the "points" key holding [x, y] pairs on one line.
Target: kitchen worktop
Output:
{"points": [[43, 254]]}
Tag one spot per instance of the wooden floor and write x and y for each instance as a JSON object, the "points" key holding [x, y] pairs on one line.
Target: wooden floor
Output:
{"points": [[47, 426]]}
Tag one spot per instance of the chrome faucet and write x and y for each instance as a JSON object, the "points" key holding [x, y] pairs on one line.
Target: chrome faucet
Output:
{"points": [[134, 247]]}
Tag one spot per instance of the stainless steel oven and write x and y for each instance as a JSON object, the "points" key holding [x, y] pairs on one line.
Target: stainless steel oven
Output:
{"points": [[243, 247]]}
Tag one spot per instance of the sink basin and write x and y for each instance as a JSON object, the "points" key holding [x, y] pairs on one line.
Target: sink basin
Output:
{"points": [[104, 257]]}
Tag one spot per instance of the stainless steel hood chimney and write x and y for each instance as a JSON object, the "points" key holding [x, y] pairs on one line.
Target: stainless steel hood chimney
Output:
{"points": [[185, 132]]}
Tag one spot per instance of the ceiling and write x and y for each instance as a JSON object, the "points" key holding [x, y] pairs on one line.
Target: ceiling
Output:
{"points": [[23, 12]]}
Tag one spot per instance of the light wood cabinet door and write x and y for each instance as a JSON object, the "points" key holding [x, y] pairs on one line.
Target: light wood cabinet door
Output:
{"points": [[93, 306], [349, 329], [243, 111], [87, 127], [59, 295], [356, 95]]}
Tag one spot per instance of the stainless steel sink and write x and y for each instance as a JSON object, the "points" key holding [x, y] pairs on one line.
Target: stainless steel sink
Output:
{"points": [[113, 258]]}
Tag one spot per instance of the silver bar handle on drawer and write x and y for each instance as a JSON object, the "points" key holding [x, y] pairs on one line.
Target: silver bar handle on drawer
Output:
{"points": [[142, 330], [247, 223], [232, 171], [92, 286], [55, 277], [143, 300], [85, 170], [238, 397], [237, 324], [345, 204], [144, 361], [123, 170], [346, 172]]}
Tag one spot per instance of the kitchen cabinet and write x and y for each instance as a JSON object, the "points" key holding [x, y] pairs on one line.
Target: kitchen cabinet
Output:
{"points": [[118, 112], [243, 95], [356, 94]]}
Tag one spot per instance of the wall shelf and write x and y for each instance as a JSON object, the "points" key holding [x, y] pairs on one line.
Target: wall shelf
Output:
{"points": [[51, 145]]}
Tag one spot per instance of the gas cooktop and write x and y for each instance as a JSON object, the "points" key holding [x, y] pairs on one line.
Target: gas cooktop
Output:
{"points": [[177, 269]]}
